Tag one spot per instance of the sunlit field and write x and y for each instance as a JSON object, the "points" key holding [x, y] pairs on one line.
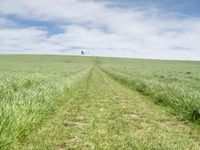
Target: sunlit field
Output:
{"points": [[31, 89], [71, 102], [170, 83]]}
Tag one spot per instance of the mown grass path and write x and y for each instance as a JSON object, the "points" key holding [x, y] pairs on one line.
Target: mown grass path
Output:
{"points": [[104, 114]]}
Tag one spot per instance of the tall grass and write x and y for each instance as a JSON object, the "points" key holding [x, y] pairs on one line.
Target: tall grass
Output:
{"points": [[175, 84], [30, 91]]}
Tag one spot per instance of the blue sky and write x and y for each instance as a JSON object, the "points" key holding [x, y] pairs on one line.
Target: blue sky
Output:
{"points": [[160, 29], [184, 7]]}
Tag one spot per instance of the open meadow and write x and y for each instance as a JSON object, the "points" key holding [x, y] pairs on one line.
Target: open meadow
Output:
{"points": [[73, 102], [31, 88], [171, 83]]}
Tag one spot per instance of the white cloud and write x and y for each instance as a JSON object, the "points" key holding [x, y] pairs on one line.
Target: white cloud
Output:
{"points": [[6, 22], [110, 31]]}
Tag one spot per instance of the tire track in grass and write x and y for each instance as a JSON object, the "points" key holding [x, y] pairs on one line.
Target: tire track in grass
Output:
{"points": [[104, 114]]}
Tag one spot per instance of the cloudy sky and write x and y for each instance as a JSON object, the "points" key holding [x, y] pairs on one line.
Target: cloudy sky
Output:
{"points": [[163, 29]]}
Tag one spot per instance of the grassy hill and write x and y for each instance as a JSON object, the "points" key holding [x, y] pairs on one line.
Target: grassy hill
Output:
{"points": [[170, 83], [71, 102]]}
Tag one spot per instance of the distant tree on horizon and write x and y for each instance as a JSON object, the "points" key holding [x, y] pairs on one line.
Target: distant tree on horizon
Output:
{"points": [[82, 53]]}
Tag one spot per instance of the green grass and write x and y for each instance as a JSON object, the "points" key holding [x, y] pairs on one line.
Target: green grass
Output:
{"points": [[171, 83], [67, 102], [31, 89], [103, 114]]}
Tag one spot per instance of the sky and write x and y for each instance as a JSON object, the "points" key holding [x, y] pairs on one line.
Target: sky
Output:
{"points": [[156, 29]]}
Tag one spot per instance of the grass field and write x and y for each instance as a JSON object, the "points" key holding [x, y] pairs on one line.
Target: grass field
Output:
{"points": [[170, 83], [68, 102], [31, 87]]}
